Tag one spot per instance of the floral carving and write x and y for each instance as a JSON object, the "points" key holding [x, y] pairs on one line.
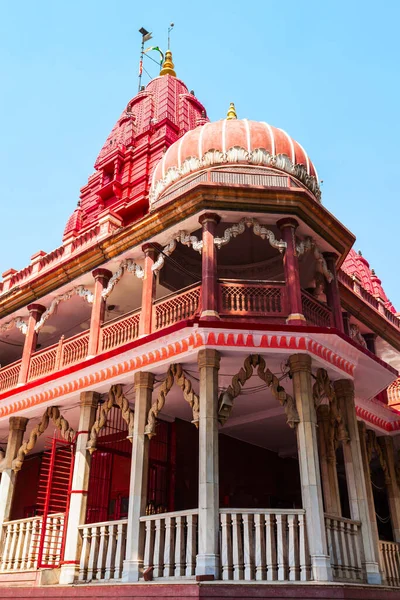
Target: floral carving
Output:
{"points": [[127, 265], [258, 229], [79, 290], [17, 322], [115, 397], [355, 335], [184, 238], [252, 361], [309, 244], [176, 375]]}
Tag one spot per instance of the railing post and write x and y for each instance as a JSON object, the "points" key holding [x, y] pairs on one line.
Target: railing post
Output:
{"points": [[300, 369], [207, 562], [209, 285], [356, 485], [80, 486], [288, 228], [35, 312], [392, 486], [327, 456], [101, 279], [8, 477], [148, 290], [133, 564], [332, 291]]}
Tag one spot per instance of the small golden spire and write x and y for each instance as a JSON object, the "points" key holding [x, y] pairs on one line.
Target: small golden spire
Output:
{"points": [[231, 114], [168, 65]]}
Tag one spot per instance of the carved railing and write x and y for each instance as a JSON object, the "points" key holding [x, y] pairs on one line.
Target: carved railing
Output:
{"points": [[177, 307], [344, 548], [264, 545], [9, 376], [21, 543], [43, 362], [119, 331], [315, 312], [103, 550], [259, 298], [390, 559], [65, 353], [74, 349], [170, 543]]}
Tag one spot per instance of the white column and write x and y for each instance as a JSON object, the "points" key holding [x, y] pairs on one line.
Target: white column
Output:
{"points": [[207, 560], [311, 490], [80, 487], [356, 486], [8, 477], [133, 564]]}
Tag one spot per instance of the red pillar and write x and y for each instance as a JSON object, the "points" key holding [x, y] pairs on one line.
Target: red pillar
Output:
{"points": [[332, 292], [35, 312], [148, 290], [101, 279], [288, 228], [209, 284]]}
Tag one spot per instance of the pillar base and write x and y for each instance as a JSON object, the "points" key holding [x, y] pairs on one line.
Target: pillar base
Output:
{"points": [[321, 567], [373, 574], [296, 319], [207, 564], [209, 314], [68, 574], [132, 571]]}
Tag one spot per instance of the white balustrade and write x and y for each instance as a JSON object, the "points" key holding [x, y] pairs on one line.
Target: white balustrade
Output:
{"points": [[263, 545], [344, 548], [170, 543], [390, 555], [103, 550]]}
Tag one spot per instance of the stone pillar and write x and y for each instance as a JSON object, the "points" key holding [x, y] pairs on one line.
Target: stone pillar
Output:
{"points": [[355, 476], [292, 274], [8, 477], [207, 561], [148, 290], [79, 487], [332, 292], [392, 485], [209, 282], [101, 279], [133, 565], [311, 490], [35, 312], [327, 455]]}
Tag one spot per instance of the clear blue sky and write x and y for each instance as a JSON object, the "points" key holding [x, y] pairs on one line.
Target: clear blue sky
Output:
{"points": [[325, 71]]}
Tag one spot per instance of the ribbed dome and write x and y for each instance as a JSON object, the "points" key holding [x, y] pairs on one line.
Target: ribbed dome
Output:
{"points": [[254, 142]]}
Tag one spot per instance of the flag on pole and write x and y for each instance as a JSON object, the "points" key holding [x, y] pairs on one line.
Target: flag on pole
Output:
{"points": [[140, 67], [157, 49]]}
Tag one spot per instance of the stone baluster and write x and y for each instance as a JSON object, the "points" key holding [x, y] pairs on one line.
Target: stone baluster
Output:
{"points": [[35, 312], [292, 273], [101, 279], [209, 282], [332, 291]]}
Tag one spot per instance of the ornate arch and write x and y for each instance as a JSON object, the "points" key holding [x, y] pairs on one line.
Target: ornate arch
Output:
{"points": [[62, 425], [79, 290], [258, 229], [116, 397], [185, 238], [176, 375], [252, 361], [17, 322], [127, 265]]}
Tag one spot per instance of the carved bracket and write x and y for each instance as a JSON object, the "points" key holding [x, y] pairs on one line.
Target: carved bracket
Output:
{"points": [[252, 361], [115, 398], [79, 290], [372, 444], [126, 266], [17, 322], [324, 390], [62, 424], [184, 238], [176, 375], [355, 335], [309, 244], [258, 229]]}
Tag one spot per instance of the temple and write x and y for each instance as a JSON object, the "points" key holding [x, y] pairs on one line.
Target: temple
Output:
{"points": [[198, 388]]}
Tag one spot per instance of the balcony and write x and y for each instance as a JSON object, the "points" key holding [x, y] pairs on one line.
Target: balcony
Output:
{"points": [[238, 300]]}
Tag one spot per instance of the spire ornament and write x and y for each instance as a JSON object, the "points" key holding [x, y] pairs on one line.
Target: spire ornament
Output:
{"points": [[168, 65], [231, 114]]}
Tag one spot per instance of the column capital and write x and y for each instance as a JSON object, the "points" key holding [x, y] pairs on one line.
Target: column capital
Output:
{"points": [[287, 222], [144, 379], [149, 249], [36, 310], [104, 274], [213, 217], [89, 399], [344, 388], [300, 362], [208, 357], [18, 423]]}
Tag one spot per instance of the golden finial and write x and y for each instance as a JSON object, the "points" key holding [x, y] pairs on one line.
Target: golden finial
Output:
{"points": [[231, 114], [168, 65]]}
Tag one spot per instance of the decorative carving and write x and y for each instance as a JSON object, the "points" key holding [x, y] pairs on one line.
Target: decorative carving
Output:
{"points": [[62, 424], [184, 238], [237, 154], [308, 244], [79, 290], [258, 229], [127, 265], [17, 322], [372, 444], [323, 389], [116, 397], [252, 361], [176, 375], [355, 335]]}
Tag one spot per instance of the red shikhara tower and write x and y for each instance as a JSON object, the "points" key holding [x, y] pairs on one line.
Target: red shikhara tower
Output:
{"points": [[198, 388]]}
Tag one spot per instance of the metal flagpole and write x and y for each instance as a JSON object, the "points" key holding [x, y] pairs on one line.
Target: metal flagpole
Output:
{"points": [[170, 28], [146, 36]]}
